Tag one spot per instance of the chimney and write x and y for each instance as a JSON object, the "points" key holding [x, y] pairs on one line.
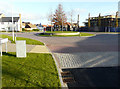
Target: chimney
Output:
{"points": [[20, 22]]}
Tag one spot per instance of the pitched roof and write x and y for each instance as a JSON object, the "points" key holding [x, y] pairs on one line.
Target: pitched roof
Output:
{"points": [[9, 19], [68, 23], [31, 25], [44, 25]]}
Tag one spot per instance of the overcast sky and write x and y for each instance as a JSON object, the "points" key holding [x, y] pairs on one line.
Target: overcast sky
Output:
{"points": [[36, 11]]}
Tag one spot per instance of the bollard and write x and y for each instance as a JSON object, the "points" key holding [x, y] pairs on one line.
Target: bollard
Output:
{"points": [[80, 34], [15, 37]]}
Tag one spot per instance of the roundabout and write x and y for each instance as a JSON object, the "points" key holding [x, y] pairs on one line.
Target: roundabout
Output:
{"points": [[64, 34]]}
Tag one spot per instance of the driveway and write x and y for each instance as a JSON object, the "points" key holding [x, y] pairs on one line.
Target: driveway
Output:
{"points": [[92, 61]]}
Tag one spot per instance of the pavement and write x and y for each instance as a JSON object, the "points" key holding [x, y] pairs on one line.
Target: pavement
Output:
{"points": [[88, 59], [92, 61], [11, 47]]}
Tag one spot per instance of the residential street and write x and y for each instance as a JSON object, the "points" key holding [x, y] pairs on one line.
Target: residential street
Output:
{"points": [[93, 61], [71, 45]]}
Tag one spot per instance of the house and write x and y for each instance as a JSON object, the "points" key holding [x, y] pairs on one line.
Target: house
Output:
{"points": [[30, 27], [66, 26], [2, 15], [6, 23], [40, 27], [108, 23], [48, 27], [23, 25]]}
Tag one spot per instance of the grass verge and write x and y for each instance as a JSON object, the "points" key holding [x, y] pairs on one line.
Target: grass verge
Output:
{"points": [[81, 34], [36, 70], [60, 32], [28, 41]]}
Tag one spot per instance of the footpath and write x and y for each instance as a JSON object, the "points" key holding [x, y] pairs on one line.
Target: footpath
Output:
{"points": [[11, 47]]}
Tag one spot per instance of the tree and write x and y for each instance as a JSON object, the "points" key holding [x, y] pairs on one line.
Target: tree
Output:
{"points": [[60, 16], [70, 16], [99, 20], [50, 18]]}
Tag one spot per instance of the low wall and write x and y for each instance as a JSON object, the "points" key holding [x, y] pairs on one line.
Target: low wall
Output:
{"points": [[77, 33]]}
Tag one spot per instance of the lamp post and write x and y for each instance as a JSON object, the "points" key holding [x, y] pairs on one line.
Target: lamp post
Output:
{"points": [[12, 22], [62, 22], [116, 21], [109, 26], [51, 23]]}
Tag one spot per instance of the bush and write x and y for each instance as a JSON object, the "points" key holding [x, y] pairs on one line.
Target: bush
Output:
{"points": [[35, 29], [23, 29]]}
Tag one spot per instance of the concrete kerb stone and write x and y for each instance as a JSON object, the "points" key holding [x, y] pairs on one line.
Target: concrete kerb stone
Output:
{"points": [[63, 85], [88, 36], [77, 33]]}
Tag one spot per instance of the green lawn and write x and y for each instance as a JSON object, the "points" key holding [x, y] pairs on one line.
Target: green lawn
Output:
{"points": [[36, 70], [28, 41], [86, 34], [82, 34], [61, 32]]}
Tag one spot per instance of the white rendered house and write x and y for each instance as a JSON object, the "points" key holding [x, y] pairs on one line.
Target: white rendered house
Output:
{"points": [[6, 24]]}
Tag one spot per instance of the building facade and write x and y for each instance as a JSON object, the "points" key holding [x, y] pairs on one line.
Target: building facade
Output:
{"points": [[6, 23], [103, 23]]}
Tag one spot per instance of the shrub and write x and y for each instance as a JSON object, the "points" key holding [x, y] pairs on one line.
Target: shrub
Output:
{"points": [[35, 29], [23, 29]]}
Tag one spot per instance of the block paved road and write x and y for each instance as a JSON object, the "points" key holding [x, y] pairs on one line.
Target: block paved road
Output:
{"points": [[93, 61]]}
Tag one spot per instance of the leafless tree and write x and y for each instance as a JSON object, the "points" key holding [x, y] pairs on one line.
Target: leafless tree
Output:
{"points": [[60, 16], [50, 18]]}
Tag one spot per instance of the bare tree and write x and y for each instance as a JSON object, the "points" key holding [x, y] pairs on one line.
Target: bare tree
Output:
{"points": [[71, 14], [60, 16], [50, 18]]}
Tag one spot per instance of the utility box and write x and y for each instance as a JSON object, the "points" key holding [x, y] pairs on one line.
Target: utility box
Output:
{"points": [[21, 48]]}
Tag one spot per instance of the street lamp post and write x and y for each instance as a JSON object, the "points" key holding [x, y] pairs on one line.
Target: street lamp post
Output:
{"points": [[12, 22], [109, 26], [116, 21], [110, 23], [51, 25], [62, 22]]}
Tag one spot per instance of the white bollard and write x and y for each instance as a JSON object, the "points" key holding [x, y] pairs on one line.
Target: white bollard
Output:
{"points": [[21, 48], [1, 49], [6, 47]]}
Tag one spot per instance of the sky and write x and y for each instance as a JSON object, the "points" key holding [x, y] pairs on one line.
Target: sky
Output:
{"points": [[37, 11]]}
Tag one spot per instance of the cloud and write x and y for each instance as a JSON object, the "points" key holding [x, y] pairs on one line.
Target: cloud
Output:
{"points": [[79, 10], [6, 9], [110, 13]]}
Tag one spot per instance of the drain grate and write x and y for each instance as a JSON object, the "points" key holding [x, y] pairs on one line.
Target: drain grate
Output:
{"points": [[68, 80], [66, 73], [67, 77]]}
